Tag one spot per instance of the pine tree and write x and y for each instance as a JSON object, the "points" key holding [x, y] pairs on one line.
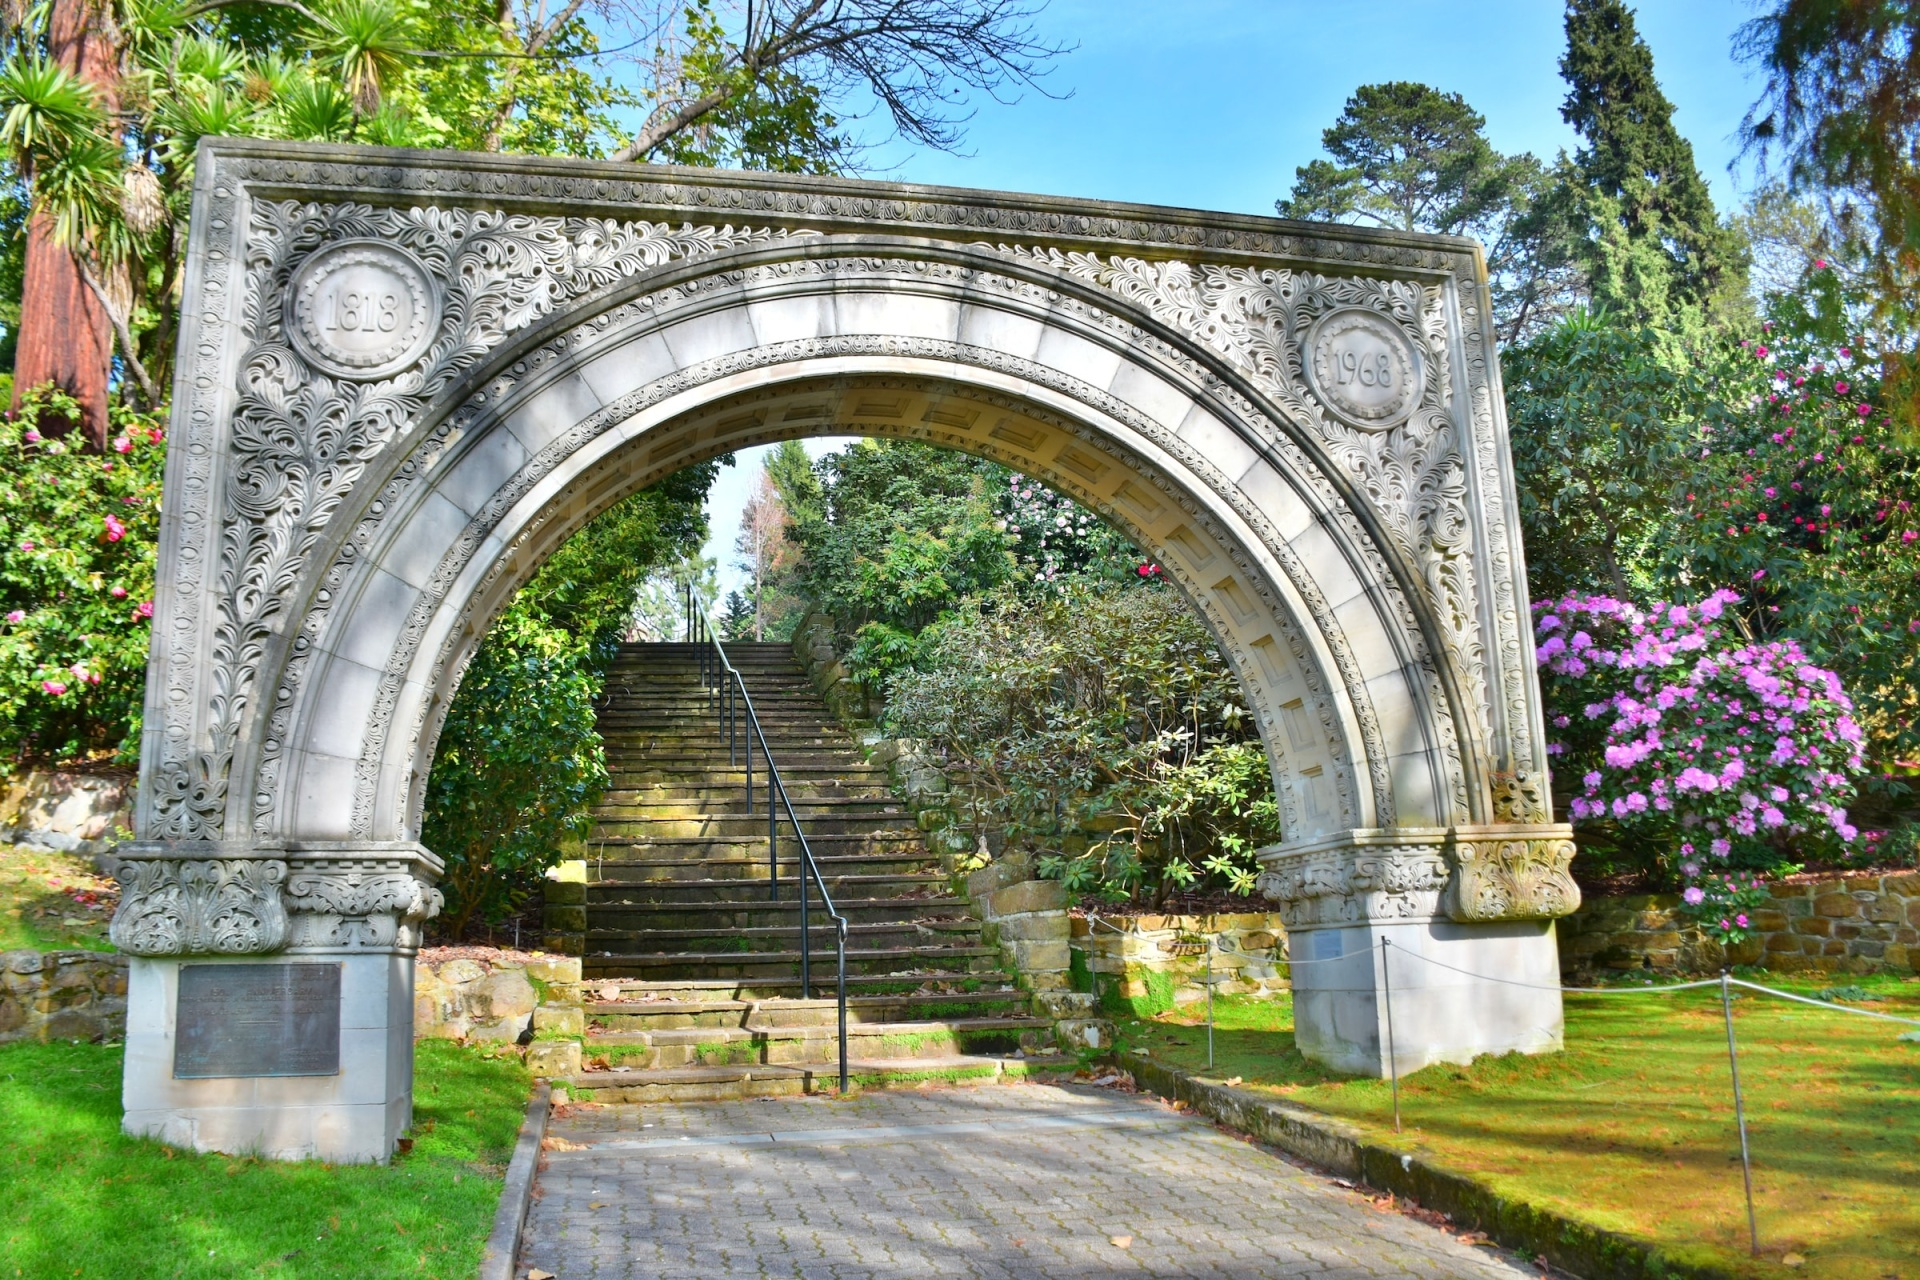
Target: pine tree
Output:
{"points": [[1656, 240]]}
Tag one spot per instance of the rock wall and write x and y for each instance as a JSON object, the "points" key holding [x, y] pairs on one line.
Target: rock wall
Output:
{"points": [[72, 812], [813, 646], [1152, 962], [1846, 924], [62, 995], [479, 994]]}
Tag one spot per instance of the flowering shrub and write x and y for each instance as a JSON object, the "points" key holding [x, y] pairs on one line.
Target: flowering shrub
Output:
{"points": [[1803, 500], [1054, 536], [77, 542], [1719, 748]]}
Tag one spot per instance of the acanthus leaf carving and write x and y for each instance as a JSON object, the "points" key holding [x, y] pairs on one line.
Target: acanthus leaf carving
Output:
{"points": [[1517, 874], [188, 906], [1414, 476], [300, 439]]}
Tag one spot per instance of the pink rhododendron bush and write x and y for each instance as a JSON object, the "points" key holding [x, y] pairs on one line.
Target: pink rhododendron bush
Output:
{"points": [[1720, 756], [77, 539]]}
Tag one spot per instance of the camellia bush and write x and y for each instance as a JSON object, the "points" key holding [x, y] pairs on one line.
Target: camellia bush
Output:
{"points": [[1725, 756], [78, 532], [1095, 726]]}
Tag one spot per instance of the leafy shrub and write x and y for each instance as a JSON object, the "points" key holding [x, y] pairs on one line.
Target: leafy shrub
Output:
{"points": [[78, 533], [1098, 726], [518, 767]]}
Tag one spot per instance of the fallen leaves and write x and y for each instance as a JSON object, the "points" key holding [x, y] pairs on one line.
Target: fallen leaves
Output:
{"points": [[1120, 1242]]}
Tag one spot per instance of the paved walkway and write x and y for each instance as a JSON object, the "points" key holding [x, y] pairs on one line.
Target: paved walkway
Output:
{"points": [[1026, 1181]]}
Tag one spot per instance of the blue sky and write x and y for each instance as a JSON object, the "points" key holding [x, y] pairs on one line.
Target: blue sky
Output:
{"points": [[1211, 104]]}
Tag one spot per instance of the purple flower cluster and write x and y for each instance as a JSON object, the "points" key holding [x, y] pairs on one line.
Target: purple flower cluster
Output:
{"points": [[1724, 741]]}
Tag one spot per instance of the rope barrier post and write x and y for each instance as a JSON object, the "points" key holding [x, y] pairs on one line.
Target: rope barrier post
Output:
{"points": [[1393, 1055], [1211, 943], [1739, 1111]]}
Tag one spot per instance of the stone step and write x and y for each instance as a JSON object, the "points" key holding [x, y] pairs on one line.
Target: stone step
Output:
{"points": [[673, 1015], [746, 826], [744, 889], [619, 937], [806, 806], [769, 964], [878, 1041], [716, 1084], [749, 875], [613, 913], [727, 795], [786, 986]]}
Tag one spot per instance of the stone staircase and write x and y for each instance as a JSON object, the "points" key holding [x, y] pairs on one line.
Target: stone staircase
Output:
{"points": [[692, 965]]}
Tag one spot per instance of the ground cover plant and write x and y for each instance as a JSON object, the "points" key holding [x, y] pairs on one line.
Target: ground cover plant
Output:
{"points": [[53, 901], [1632, 1127], [74, 1182]]}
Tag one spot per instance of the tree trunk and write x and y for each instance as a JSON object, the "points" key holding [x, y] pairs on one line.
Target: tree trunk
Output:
{"points": [[66, 337]]}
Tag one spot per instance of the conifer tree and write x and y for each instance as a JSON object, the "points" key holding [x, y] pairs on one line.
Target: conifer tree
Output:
{"points": [[1655, 240]]}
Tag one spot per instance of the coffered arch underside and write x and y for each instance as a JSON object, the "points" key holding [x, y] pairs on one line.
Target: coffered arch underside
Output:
{"points": [[613, 397]]}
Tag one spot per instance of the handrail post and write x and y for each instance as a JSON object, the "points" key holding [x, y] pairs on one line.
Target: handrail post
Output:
{"points": [[806, 935], [840, 937], [773, 838]]}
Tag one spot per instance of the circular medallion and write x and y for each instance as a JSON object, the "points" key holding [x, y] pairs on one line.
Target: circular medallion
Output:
{"points": [[1364, 369], [362, 309]]}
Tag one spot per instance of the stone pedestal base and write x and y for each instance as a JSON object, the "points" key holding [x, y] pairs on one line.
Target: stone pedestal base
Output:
{"points": [[1341, 993], [1455, 922], [353, 1116]]}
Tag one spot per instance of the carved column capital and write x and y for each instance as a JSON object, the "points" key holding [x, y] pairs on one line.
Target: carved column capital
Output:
{"points": [[1354, 878], [1479, 875], [239, 898], [199, 898], [1511, 872], [361, 896]]}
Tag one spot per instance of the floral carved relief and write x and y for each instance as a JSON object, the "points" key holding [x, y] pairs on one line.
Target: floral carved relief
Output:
{"points": [[303, 431], [1512, 878], [215, 906]]}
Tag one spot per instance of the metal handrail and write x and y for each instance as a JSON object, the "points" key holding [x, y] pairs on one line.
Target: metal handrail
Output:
{"points": [[740, 726]]}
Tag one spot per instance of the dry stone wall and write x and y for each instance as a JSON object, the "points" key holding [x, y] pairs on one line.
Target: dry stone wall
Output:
{"points": [[62, 995], [481, 995], [1846, 924], [72, 812], [1154, 961]]}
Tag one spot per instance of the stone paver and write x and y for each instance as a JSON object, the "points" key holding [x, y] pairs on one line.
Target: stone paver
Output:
{"points": [[1026, 1181]]}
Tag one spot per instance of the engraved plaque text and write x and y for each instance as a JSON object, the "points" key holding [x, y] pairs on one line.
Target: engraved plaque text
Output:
{"points": [[362, 309], [1364, 369], [257, 1020]]}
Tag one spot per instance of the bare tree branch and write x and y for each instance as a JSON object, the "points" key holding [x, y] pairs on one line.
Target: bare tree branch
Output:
{"points": [[918, 58], [509, 93]]}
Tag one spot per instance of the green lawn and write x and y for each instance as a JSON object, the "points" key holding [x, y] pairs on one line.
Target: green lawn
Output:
{"points": [[52, 901], [83, 1200], [1632, 1127]]}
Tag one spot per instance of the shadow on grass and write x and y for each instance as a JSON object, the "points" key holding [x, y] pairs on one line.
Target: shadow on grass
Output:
{"points": [[1632, 1127], [85, 1200]]}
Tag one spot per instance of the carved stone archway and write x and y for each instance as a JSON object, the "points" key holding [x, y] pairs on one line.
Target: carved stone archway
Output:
{"points": [[405, 379]]}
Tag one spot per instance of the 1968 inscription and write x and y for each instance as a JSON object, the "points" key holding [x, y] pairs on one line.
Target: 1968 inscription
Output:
{"points": [[257, 1020]]}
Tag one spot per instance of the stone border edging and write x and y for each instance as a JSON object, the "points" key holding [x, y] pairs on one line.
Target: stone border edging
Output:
{"points": [[503, 1242], [1578, 1247]]}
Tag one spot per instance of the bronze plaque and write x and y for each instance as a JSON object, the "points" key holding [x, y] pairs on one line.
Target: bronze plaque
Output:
{"points": [[257, 1020]]}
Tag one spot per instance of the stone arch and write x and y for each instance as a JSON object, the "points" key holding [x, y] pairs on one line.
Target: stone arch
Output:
{"points": [[604, 420], [402, 387]]}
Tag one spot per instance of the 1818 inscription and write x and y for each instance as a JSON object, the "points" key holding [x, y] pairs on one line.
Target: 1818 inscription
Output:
{"points": [[257, 1020]]}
